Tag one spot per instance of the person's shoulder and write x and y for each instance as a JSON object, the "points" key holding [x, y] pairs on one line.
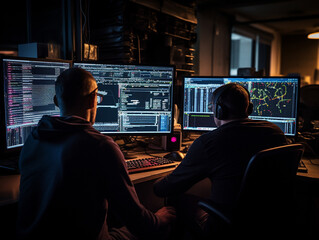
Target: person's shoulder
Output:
{"points": [[208, 136], [98, 137], [250, 125], [103, 145], [263, 123], [264, 126], [253, 122]]}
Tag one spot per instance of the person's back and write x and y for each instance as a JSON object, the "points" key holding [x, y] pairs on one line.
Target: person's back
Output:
{"points": [[220, 155], [60, 165], [229, 148], [72, 176]]}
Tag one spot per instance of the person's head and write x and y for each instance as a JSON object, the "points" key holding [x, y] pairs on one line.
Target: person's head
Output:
{"points": [[231, 102], [76, 94]]}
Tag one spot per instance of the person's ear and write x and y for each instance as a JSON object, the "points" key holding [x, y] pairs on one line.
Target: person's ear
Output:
{"points": [[55, 101]]}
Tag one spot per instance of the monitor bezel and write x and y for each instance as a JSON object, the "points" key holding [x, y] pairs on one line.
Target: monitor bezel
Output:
{"points": [[15, 151], [114, 134], [205, 131]]}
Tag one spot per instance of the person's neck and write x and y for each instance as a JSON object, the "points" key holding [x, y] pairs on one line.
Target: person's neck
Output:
{"points": [[83, 114]]}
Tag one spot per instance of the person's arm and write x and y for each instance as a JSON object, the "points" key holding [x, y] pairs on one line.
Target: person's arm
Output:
{"points": [[193, 168], [124, 201]]}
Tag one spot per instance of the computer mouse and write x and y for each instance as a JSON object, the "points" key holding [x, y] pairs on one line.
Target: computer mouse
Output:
{"points": [[175, 156]]}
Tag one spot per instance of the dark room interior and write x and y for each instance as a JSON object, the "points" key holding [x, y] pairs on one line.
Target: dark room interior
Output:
{"points": [[176, 53]]}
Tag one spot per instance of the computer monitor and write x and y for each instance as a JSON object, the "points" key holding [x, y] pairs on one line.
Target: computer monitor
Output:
{"points": [[138, 100], [27, 91], [275, 99]]}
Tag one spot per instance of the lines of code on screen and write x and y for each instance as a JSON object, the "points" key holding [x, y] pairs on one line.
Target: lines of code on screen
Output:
{"points": [[28, 95], [136, 99]]}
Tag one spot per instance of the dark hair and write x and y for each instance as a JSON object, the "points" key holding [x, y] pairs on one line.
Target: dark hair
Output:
{"points": [[233, 99], [70, 86]]}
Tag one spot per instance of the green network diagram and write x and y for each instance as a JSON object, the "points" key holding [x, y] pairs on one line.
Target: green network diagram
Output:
{"points": [[272, 99]]}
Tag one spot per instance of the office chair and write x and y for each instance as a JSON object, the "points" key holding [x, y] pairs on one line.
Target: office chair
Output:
{"points": [[309, 105], [264, 206]]}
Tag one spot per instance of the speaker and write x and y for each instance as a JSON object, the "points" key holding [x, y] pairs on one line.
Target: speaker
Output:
{"points": [[172, 142]]}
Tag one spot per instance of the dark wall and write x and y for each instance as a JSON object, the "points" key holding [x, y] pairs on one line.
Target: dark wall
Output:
{"points": [[31, 21], [13, 24], [299, 55]]}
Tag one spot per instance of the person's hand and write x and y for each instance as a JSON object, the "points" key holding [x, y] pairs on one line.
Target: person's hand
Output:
{"points": [[166, 215]]}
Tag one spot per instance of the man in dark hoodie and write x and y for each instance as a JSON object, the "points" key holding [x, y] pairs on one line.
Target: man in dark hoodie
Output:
{"points": [[72, 176], [220, 155]]}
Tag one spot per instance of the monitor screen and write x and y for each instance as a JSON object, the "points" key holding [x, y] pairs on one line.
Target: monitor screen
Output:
{"points": [[28, 90], [137, 99], [275, 99]]}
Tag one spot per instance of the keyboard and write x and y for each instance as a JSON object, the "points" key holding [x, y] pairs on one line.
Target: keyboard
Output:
{"points": [[149, 163]]}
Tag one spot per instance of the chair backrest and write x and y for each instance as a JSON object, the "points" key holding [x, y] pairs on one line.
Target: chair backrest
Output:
{"points": [[267, 189], [309, 95], [309, 105]]}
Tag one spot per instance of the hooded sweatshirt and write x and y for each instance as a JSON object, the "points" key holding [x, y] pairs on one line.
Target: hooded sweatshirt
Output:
{"points": [[71, 177]]}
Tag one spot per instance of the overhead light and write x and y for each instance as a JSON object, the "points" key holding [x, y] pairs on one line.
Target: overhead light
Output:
{"points": [[314, 35]]}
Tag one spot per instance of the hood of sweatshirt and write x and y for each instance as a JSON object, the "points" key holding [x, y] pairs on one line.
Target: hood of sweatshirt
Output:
{"points": [[53, 128]]}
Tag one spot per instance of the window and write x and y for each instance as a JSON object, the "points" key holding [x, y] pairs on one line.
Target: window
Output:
{"points": [[241, 53], [250, 48]]}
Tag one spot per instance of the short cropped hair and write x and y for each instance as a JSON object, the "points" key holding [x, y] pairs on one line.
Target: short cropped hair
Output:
{"points": [[234, 99], [70, 85]]}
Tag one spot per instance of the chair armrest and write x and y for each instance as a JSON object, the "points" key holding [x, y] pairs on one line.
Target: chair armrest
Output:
{"points": [[208, 206]]}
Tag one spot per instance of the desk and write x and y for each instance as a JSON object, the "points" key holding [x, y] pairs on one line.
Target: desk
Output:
{"points": [[9, 189], [307, 200], [313, 169], [9, 184], [307, 193], [150, 175], [9, 195]]}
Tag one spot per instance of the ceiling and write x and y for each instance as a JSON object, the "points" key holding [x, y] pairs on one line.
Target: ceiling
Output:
{"points": [[284, 16]]}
